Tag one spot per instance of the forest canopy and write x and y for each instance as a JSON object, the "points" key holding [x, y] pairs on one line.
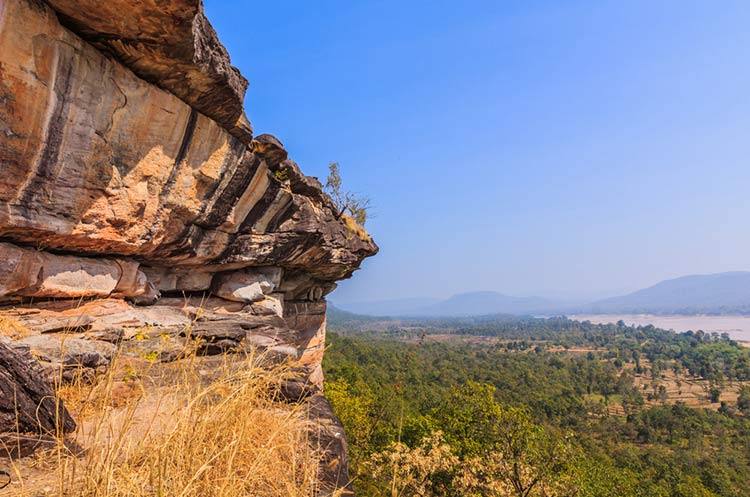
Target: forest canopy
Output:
{"points": [[539, 407]]}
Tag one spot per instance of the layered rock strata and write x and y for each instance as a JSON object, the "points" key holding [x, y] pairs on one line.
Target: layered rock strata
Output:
{"points": [[170, 44], [134, 195]]}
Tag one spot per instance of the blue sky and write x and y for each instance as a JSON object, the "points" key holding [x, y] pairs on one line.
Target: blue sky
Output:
{"points": [[566, 149]]}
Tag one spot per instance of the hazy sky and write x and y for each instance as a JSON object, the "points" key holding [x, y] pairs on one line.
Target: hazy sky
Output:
{"points": [[576, 148]]}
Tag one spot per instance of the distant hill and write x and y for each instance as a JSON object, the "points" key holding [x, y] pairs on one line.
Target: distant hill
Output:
{"points": [[343, 320], [478, 303], [462, 304], [721, 293]]}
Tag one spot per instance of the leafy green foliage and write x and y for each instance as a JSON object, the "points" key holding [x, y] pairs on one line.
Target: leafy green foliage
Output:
{"points": [[743, 400], [523, 416]]}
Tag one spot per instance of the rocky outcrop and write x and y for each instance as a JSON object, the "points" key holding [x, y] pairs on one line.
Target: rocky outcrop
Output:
{"points": [[133, 194]]}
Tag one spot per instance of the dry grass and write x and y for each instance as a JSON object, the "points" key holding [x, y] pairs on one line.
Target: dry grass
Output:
{"points": [[692, 391], [12, 328], [187, 430], [353, 228]]}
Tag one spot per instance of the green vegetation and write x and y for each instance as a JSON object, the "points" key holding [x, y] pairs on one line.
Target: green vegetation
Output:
{"points": [[499, 406], [281, 175]]}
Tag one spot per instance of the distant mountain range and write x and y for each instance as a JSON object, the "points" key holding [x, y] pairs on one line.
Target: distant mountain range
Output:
{"points": [[723, 293]]}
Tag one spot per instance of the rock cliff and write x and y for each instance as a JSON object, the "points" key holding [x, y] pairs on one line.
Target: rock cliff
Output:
{"points": [[133, 193]]}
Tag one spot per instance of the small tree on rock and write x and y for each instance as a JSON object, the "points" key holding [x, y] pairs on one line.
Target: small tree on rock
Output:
{"points": [[347, 202]]}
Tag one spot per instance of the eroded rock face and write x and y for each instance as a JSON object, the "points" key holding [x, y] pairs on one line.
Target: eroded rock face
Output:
{"points": [[170, 44], [134, 196], [67, 358], [97, 161], [25, 272]]}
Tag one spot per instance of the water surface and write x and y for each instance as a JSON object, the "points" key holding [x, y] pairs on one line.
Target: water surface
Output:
{"points": [[738, 327]]}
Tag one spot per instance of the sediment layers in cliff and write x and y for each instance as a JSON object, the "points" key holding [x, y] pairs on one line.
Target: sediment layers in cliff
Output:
{"points": [[133, 192]]}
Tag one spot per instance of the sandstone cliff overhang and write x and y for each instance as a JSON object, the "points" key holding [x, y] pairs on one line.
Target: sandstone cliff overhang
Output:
{"points": [[97, 161], [132, 190]]}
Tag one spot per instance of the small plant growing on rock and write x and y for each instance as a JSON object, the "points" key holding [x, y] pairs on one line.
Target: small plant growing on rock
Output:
{"points": [[355, 205], [281, 175]]}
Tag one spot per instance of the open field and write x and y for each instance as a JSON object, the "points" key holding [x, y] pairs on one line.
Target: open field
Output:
{"points": [[682, 387], [738, 327]]}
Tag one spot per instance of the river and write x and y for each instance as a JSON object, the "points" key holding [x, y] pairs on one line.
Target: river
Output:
{"points": [[738, 327]]}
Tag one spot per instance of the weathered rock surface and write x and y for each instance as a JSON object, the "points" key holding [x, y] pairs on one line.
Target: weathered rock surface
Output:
{"points": [[247, 285], [68, 358], [27, 272], [27, 403], [138, 214], [170, 44], [99, 162], [330, 436]]}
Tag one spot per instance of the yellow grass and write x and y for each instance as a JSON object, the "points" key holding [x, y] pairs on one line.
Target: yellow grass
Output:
{"points": [[353, 228], [12, 328], [187, 430]]}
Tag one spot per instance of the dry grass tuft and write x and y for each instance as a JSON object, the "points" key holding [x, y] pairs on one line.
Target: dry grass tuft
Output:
{"points": [[189, 433], [13, 328], [353, 228]]}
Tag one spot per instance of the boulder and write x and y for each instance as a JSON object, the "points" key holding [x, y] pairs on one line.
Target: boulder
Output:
{"points": [[133, 282], [72, 277], [67, 358], [272, 304], [247, 285], [27, 272], [70, 351]]}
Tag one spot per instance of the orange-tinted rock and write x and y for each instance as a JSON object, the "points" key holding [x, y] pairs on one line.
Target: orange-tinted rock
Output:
{"points": [[171, 44], [26, 272], [129, 176], [98, 161]]}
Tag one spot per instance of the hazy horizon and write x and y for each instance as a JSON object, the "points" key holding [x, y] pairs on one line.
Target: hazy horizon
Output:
{"points": [[573, 298], [552, 296], [578, 149]]}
